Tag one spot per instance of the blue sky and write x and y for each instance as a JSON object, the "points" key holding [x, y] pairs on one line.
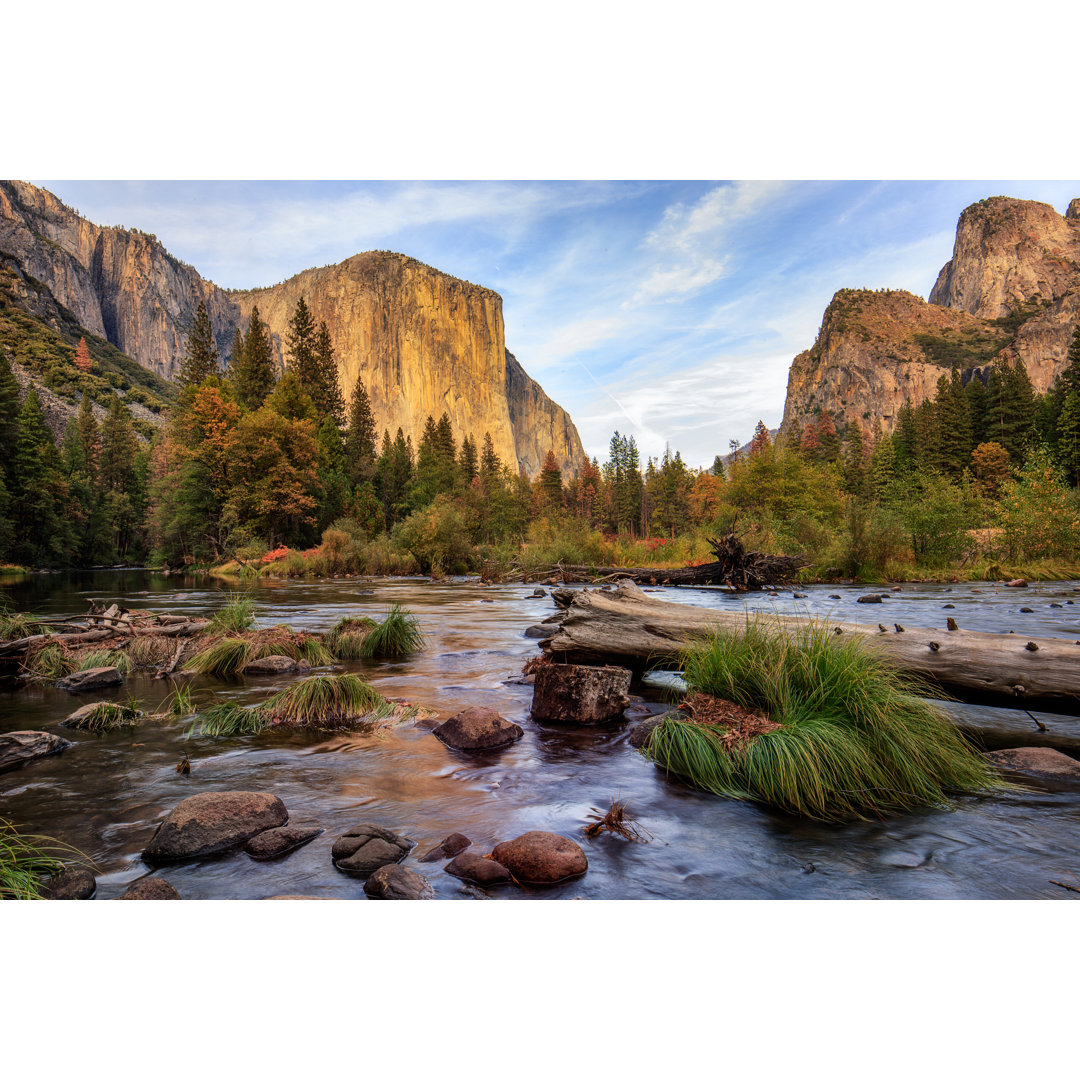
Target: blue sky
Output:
{"points": [[667, 310]]}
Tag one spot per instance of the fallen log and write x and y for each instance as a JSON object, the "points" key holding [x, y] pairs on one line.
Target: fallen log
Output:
{"points": [[19, 646], [628, 627]]}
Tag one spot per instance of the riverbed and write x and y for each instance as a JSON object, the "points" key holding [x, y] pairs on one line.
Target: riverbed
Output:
{"points": [[106, 794]]}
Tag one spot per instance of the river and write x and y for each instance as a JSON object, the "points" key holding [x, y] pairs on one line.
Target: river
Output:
{"points": [[106, 794]]}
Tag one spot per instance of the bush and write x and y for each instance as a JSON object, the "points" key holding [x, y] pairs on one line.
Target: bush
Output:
{"points": [[438, 538]]}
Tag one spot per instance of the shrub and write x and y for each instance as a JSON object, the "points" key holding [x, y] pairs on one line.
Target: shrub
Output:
{"points": [[236, 615]]}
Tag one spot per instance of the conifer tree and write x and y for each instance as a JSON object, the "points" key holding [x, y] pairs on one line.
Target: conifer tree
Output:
{"points": [[39, 492], [360, 453], [9, 415], [301, 341], [119, 446], [550, 483], [882, 468], [200, 354], [1068, 437], [82, 357], [490, 465], [254, 376], [327, 390], [468, 463]]}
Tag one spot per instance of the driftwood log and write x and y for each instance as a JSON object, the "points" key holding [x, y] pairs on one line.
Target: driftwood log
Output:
{"points": [[628, 627]]}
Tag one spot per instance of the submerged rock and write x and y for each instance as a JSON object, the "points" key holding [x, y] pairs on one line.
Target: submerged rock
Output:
{"points": [[364, 848], [92, 679], [478, 728], [151, 888], [274, 843], [19, 748], [72, 883], [398, 883], [214, 821], [480, 871], [580, 694], [453, 845], [1036, 761], [541, 858], [1016, 583], [275, 665], [870, 598]]}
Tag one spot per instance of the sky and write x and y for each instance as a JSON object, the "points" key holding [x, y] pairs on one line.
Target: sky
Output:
{"points": [[666, 310]]}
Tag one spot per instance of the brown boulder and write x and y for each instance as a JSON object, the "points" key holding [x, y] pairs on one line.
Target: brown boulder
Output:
{"points": [[475, 868], [91, 679], [541, 858], [150, 888], [274, 843], [213, 821], [1016, 583], [1036, 761], [451, 846], [579, 694], [275, 665], [72, 883], [398, 883], [364, 848], [19, 748], [478, 728]]}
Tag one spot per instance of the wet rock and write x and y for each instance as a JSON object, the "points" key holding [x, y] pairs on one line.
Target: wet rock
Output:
{"points": [[541, 858], [478, 728], [478, 870], [1027, 610], [1055, 605], [536, 594], [641, 733], [897, 588], [453, 845], [275, 665], [870, 598], [1016, 583], [398, 883], [364, 848], [948, 607], [579, 694], [150, 888], [519, 680], [273, 843], [1036, 761], [72, 883], [538, 631], [19, 748], [94, 678], [799, 595], [834, 596], [214, 821]]}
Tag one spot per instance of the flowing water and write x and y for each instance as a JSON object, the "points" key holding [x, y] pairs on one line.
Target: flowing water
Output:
{"points": [[106, 794]]}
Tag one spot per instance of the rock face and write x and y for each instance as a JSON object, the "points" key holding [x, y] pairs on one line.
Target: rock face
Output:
{"points": [[477, 728], [423, 341], [19, 748], [213, 821], [398, 883], [579, 694], [541, 858], [876, 350]]}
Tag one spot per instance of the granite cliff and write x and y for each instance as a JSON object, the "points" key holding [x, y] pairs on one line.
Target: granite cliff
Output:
{"points": [[1011, 289], [424, 342]]}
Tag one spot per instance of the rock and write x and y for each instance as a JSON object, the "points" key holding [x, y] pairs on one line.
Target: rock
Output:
{"points": [[453, 845], [541, 858], [72, 883], [213, 821], [870, 598], [398, 883], [1027, 611], [275, 665], [150, 888], [579, 694], [1036, 761], [948, 607], [834, 596], [641, 733], [1016, 583], [563, 597], [273, 843], [536, 594], [799, 595], [897, 588], [477, 869], [364, 848], [478, 728], [19, 748], [539, 631], [94, 678]]}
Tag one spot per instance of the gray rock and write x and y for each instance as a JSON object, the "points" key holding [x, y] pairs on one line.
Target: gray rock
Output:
{"points": [[150, 888], [579, 694], [475, 868], [453, 845], [72, 883], [641, 733], [870, 598], [1027, 610], [92, 679], [275, 665], [538, 631], [214, 821], [274, 843], [19, 748], [398, 883], [364, 848], [478, 728], [541, 858]]}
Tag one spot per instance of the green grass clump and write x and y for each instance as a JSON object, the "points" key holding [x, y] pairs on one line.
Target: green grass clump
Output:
{"points": [[49, 662], [116, 658], [223, 658], [237, 615], [856, 740], [397, 635], [25, 858], [229, 718], [323, 700], [15, 625], [346, 637], [179, 702], [106, 716]]}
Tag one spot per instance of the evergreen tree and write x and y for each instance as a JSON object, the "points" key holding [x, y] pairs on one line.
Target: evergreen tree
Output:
{"points": [[550, 484], [82, 357], [953, 422], [905, 436], [360, 452], [331, 472], [255, 375], [290, 400], [490, 465], [301, 340], [718, 463], [1069, 379], [201, 354], [9, 414], [761, 440], [327, 390], [38, 493], [976, 395], [119, 446], [468, 463], [236, 360], [882, 468], [854, 460], [395, 476], [1068, 437]]}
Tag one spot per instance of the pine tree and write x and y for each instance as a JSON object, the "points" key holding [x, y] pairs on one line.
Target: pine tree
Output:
{"points": [[490, 465], [327, 390], [255, 375], [761, 440], [882, 467], [201, 354], [236, 359], [953, 423], [1069, 379], [854, 460], [360, 452], [38, 492], [82, 357], [1068, 437], [301, 340], [118, 448], [550, 483], [9, 415], [89, 437], [468, 462]]}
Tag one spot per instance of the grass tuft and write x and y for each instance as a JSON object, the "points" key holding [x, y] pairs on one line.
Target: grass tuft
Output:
{"points": [[229, 718], [106, 716], [15, 625], [49, 662], [855, 738], [324, 700], [116, 658], [224, 658], [397, 635], [237, 615], [25, 858]]}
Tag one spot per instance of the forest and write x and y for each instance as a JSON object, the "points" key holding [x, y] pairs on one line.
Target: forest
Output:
{"points": [[263, 471]]}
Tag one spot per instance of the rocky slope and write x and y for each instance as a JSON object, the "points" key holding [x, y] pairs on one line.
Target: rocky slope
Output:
{"points": [[425, 342], [1011, 289]]}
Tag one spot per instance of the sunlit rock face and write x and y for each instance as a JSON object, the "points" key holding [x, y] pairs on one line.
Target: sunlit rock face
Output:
{"points": [[424, 342], [1011, 289]]}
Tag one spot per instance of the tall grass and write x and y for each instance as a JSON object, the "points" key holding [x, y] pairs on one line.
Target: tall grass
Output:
{"points": [[237, 615], [106, 716], [49, 662], [346, 637], [15, 625], [397, 635], [116, 658], [229, 718], [323, 700], [227, 656], [24, 858], [855, 740], [222, 659]]}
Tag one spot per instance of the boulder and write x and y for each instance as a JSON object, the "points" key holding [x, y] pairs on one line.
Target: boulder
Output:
{"points": [[536, 594], [641, 733], [150, 888], [1027, 610], [580, 694], [540, 631], [275, 665], [72, 883], [19, 748], [1016, 583], [475, 868], [541, 858], [478, 728], [1036, 761], [453, 845], [94, 678], [870, 598], [398, 883], [364, 848], [274, 843], [214, 821]]}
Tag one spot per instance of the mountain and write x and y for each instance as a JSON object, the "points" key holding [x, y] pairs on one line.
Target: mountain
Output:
{"points": [[1011, 290], [423, 341]]}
